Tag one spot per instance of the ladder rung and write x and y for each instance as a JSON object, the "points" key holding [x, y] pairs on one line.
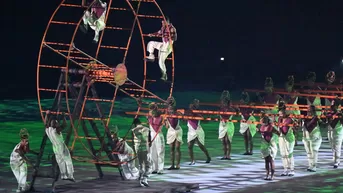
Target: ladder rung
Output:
{"points": [[104, 80], [147, 103], [51, 66], [135, 89], [148, 1], [143, 96], [79, 58], [93, 118], [63, 22], [100, 100], [128, 83], [117, 28], [113, 47], [57, 43], [56, 113], [150, 80], [51, 90], [67, 51], [151, 16], [70, 5], [84, 137], [119, 9]]}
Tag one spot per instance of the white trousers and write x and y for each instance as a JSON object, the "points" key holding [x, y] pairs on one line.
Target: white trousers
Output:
{"points": [[129, 169], [164, 49], [286, 151], [312, 142], [97, 25], [335, 138], [157, 151], [144, 162], [62, 154], [19, 170]]}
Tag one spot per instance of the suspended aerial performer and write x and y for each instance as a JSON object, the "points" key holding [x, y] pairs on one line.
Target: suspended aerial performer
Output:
{"points": [[286, 141], [174, 135], [18, 160], [269, 96], [195, 133], [126, 154], [247, 129], [292, 100], [142, 146], [312, 138], [156, 123], [95, 19], [335, 132], [61, 151], [169, 36], [268, 145]]}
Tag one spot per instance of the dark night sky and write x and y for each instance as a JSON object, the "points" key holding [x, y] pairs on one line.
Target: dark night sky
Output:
{"points": [[257, 38]]}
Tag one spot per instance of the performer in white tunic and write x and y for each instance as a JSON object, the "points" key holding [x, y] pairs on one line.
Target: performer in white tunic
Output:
{"points": [[156, 123], [195, 133], [316, 101], [126, 154], [269, 140], [18, 161], [330, 79], [95, 19], [312, 138], [142, 147], [61, 151], [169, 36], [226, 127], [286, 141], [270, 97], [335, 132], [174, 138]]}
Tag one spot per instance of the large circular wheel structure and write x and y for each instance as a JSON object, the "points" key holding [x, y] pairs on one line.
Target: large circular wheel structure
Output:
{"points": [[90, 76]]}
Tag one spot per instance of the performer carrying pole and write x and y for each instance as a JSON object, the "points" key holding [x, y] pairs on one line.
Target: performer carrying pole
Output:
{"points": [[165, 47], [195, 133], [268, 145], [312, 138]]}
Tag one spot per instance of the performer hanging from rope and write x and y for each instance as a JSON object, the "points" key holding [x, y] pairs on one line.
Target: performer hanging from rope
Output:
{"points": [[226, 127], [169, 36], [286, 141], [269, 96], [195, 133], [174, 135], [246, 129], [156, 123], [19, 161], [61, 151], [268, 145], [95, 19], [126, 154], [142, 146], [312, 138], [335, 132]]}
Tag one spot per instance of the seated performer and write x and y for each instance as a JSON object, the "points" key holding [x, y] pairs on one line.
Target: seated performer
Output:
{"points": [[61, 151], [165, 47], [174, 138], [195, 133], [226, 127], [286, 141], [95, 19], [335, 132], [312, 138], [157, 145], [18, 161], [126, 154], [142, 147], [246, 129], [268, 145]]}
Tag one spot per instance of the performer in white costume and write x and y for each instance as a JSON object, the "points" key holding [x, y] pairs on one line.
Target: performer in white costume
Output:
{"points": [[95, 19], [246, 129], [174, 138], [316, 101], [226, 127], [126, 154], [330, 79], [312, 138], [269, 96], [156, 123], [335, 132], [195, 133], [18, 161], [269, 140], [61, 151], [142, 146], [169, 36], [286, 141]]}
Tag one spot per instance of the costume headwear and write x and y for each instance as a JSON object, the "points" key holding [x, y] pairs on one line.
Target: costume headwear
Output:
{"points": [[153, 109], [196, 103], [290, 82], [114, 129], [311, 77], [171, 101], [282, 105], [268, 83], [330, 77], [24, 134]]}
